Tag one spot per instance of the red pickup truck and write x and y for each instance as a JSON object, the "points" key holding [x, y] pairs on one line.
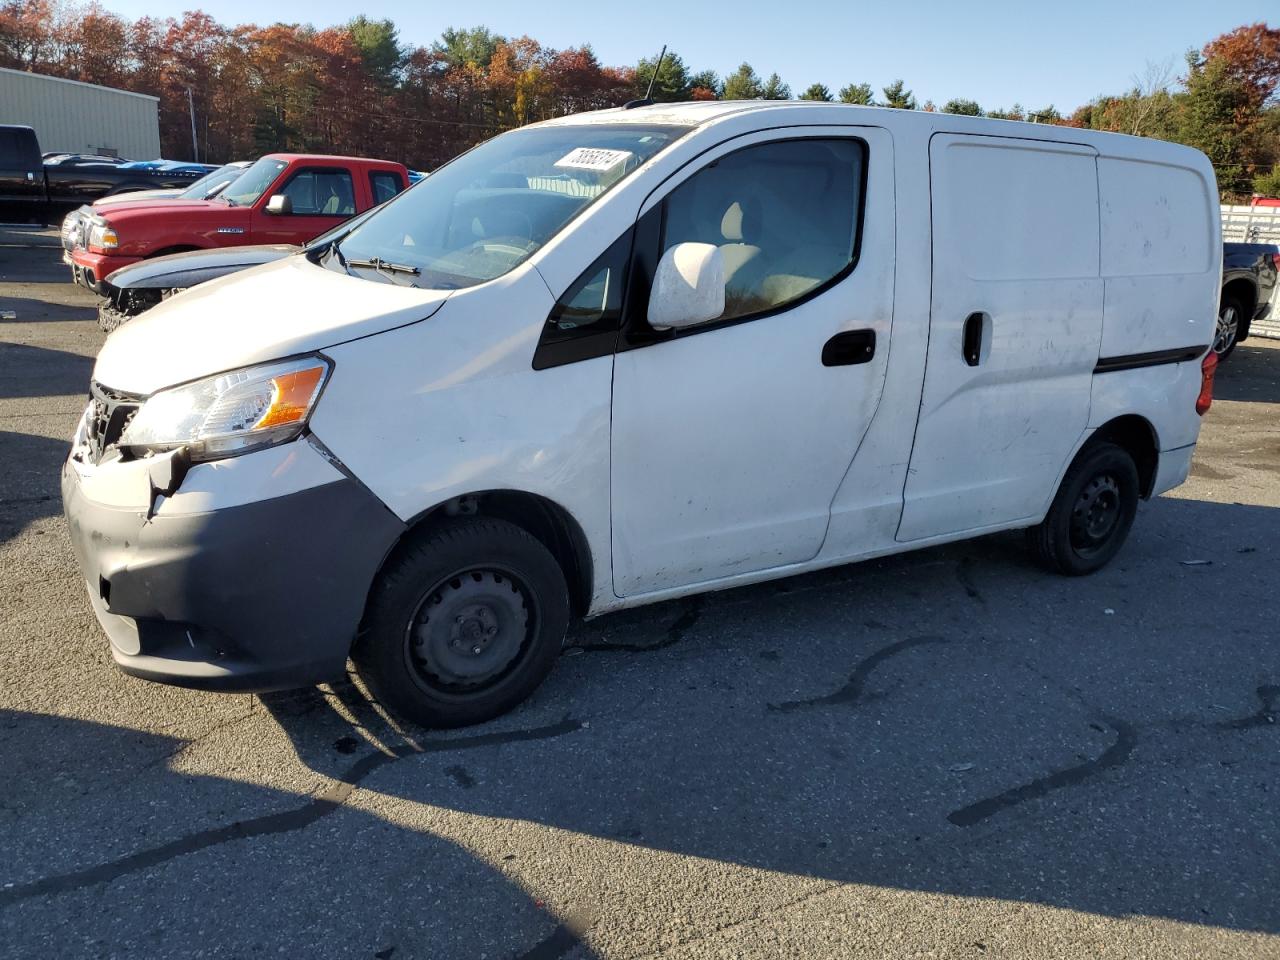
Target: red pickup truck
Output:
{"points": [[282, 198]]}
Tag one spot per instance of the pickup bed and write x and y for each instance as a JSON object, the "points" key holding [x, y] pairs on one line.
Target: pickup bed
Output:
{"points": [[281, 199], [1248, 290], [36, 189]]}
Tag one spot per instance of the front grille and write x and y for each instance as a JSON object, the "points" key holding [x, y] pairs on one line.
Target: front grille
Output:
{"points": [[110, 412]]}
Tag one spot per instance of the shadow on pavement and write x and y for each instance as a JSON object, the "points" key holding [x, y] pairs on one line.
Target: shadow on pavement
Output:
{"points": [[1251, 374], [951, 721], [33, 310], [356, 887], [30, 492], [27, 371]]}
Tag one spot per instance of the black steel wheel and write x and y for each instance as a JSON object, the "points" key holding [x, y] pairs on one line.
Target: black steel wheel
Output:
{"points": [[464, 622], [1092, 513]]}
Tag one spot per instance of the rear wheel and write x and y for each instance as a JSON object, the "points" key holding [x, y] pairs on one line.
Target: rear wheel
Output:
{"points": [[1091, 514], [1231, 324], [463, 624]]}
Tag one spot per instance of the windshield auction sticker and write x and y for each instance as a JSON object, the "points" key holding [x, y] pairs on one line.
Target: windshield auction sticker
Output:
{"points": [[593, 158]]}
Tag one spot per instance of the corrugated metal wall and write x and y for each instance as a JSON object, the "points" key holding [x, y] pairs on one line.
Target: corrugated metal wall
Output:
{"points": [[76, 117]]}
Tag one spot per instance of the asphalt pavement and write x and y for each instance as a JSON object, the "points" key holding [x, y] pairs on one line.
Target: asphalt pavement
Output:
{"points": [[943, 754]]}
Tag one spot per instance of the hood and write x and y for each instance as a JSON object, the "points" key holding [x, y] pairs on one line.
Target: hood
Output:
{"points": [[196, 266], [124, 211], [135, 196], [276, 310]]}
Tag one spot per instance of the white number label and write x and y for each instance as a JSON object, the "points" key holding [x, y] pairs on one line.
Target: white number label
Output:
{"points": [[592, 158]]}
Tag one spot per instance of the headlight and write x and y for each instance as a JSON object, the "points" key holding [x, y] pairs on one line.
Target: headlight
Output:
{"points": [[231, 413], [103, 236]]}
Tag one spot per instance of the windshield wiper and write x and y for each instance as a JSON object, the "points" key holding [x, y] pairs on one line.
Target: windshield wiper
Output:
{"points": [[383, 267]]}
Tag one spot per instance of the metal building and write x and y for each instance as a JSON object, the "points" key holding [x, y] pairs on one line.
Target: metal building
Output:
{"points": [[74, 117]]}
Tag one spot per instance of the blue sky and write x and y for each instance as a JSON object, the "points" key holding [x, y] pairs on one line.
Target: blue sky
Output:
{"points": [[992, 51]]}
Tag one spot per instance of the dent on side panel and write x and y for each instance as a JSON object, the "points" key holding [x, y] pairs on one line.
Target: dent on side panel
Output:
{"points": [[1164, 395], [453, 406]]}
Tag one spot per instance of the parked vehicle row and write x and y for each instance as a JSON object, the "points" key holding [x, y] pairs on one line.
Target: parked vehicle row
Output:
{"points": [[628, 356], [76, 224], [1249, 272], [279, 199], [39, 189]]}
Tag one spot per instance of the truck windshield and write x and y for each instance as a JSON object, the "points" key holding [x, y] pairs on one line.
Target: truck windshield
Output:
{"points": [[487, 211], [253, 183], [211, 184]]}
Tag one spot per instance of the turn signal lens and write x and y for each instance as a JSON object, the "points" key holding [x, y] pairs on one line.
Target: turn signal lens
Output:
{"points": [[292, 398], [1208, 367]]}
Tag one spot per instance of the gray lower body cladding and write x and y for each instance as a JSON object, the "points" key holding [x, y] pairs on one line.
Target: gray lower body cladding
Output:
{"points": [[262, 596]]}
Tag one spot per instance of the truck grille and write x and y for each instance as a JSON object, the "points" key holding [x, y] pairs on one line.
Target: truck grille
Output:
{"points": [[109, 413]]}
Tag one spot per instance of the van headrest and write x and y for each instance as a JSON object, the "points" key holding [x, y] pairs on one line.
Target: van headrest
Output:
{"points": [[741, 221]]}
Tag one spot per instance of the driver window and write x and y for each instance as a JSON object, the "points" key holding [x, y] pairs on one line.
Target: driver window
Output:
{"points": [[326, 193], [785, 216]]}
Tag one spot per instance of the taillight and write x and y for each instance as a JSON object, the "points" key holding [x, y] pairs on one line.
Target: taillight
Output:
{"points": [[1275, 260], [1208, 367]]}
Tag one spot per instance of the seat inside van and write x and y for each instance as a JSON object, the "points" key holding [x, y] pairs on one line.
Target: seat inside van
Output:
{"points": [[783, 220]]}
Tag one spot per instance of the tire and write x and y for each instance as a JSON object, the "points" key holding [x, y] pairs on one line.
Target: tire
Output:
{"points": [[501, 609], [1232, 327], [1091, 514]]}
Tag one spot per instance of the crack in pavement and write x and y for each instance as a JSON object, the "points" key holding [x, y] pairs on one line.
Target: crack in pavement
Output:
{"points": [[321, 805], [1113, 756], [852, 691], [675, 633]]}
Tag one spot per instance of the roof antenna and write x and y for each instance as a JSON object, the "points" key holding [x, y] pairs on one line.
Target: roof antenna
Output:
{"points": [[647, 99]]}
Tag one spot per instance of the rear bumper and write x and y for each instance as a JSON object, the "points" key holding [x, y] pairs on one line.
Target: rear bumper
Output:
{"points": [[251, 596], [90, 270], [1172, 469]]}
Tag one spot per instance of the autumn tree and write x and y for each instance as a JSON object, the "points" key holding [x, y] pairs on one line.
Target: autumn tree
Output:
{"points": [[704, 85]]}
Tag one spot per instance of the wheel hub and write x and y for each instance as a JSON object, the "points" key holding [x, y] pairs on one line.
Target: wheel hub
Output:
{"points": [[469, 630], [1227, 328], [1096, 512]]}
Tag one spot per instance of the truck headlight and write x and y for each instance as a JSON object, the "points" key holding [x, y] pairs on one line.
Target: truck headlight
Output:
{"points": [[103, 236], [231, 413]]}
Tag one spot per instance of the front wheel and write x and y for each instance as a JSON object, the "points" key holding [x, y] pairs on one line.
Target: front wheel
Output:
{"points": [[1091, 514], [463, 624]]}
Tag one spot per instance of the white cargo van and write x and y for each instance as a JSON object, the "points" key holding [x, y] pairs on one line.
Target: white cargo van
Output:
{"points": [[629, 355]]}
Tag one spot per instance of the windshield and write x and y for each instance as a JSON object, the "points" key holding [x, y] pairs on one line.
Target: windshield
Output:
{"points": [[490, 209], [253, 182], [211, 183]]}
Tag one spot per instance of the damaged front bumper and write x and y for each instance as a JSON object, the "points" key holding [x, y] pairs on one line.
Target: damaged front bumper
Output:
{"points": [[243, 574]]}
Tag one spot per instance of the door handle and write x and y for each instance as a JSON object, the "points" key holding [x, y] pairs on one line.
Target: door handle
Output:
{"points": [[971, 348], [850, 347]]}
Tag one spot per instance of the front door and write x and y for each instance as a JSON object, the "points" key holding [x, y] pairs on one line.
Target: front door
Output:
{"points": [[729, 440], [321, 198], [1015, 327]]}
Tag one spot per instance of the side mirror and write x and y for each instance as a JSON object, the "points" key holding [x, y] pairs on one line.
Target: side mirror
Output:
{"points": [[688, 288], [279, 205]]}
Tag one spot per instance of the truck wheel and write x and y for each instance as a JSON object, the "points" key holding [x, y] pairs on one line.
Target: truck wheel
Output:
{"points": [[463, 623], [1231, 324], [1091, 515]]}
